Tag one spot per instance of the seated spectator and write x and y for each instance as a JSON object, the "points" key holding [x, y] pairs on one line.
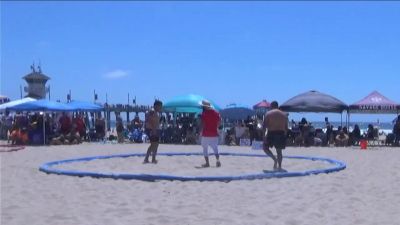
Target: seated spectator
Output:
{"points": [[240, 129], [320, 138], [342, 139], [59, 140], [100, 127], [355, 135], [137, 124], [370, 132], [190, 136], [230, 137], [65, 123], [19, 136], [80, 126], [73, 136]]}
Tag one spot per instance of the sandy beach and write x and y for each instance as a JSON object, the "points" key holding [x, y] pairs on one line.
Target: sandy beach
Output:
{"points": [[366, 192]]}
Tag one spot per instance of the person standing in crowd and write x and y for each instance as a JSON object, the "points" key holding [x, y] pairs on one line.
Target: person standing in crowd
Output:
{"points": [[396, 132], [153, 131], [276, 125], [210, 120], [120, 129]]}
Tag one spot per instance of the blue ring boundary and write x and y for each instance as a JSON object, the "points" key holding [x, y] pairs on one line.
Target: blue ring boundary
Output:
{"points": [[47, 168]]}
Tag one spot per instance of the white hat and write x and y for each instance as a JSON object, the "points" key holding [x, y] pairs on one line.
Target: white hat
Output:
{"points": [[206, 104]]}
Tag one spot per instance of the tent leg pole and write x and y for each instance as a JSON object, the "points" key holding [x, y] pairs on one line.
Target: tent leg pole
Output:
{"points": [[341, 119], [44, 129]]}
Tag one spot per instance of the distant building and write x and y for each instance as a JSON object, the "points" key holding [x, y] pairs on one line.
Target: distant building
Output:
{"points": [[36, 83]]}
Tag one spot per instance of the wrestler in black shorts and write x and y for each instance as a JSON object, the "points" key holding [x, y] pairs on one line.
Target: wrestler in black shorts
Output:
{"points": [[276, 139]]}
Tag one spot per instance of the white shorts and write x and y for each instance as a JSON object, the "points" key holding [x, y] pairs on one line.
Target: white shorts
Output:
{"points": [[209, 141]]}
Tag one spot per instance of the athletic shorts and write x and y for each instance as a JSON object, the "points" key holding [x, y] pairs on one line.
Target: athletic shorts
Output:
{"points": [[152, 138], [276, 139]]}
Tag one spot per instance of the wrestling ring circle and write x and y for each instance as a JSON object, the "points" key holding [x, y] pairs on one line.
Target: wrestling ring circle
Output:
{"points": [[49, 169]]}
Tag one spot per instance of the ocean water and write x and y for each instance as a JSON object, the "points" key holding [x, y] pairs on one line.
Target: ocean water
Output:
{"points": [[362, 125]]}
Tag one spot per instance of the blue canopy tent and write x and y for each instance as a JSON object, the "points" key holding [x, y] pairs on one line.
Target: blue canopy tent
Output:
{"points": [[42, 105], [236, 112], [5, 106], [85, 106], [190, 103]]}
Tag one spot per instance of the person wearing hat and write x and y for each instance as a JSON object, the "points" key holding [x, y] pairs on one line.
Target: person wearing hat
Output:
{"points": [[210, 120], [276, 124]]}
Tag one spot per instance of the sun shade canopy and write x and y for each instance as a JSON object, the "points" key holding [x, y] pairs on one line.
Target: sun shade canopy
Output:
{"points": [[190, 103], [375, 102], [42, 105], [314, 101]]}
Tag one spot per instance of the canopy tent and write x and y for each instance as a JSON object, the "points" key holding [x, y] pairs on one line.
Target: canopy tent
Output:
{"points": [[85, 106], [262, 105], [42, 105], [7, 105], [190, 103], [375, 103], [236, 112], [314, 101]]}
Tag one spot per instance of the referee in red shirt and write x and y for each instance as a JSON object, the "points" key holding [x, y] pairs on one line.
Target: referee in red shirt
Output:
{"points": [[210, 120]]}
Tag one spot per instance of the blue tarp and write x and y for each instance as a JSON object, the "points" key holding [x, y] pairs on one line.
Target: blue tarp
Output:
{"points": [[84, 106], [42, 105], [187, 104]]}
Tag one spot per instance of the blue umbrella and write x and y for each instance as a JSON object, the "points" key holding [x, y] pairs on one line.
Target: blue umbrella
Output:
{"points": [[190, 103], [84, 106], [237, 112]]}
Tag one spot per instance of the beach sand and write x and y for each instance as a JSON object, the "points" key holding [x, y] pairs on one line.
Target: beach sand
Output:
{"points": [[366, 192]]}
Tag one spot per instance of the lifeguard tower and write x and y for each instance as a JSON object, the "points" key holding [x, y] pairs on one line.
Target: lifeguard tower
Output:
{"points": [[36, 83]]}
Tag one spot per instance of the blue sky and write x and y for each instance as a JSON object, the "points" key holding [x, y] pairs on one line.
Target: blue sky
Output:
{"points": [[230, 52]]}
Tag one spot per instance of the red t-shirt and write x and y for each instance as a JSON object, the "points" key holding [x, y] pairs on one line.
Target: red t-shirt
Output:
{"points": [[210, 120]]}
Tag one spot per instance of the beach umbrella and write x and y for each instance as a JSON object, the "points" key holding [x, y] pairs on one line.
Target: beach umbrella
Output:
{"points": [[85, 106], [7, 105], [236, 112], [190, 103]]}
